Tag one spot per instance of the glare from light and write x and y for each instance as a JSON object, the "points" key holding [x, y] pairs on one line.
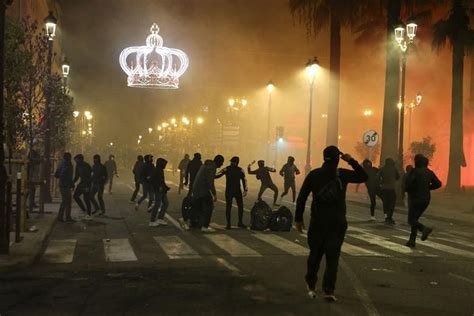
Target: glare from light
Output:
{"points": [[138, 141], [368, 113], [111, 144], [65, 68], [244, 102], [173, 121], [324, 115], [159, 128], [150, 130], [75, 114], [164, 124], [280, 140], [200, 120], [84, 132], [312, 69], [231, 102], [399, 34], [418, 98], [399, 105], [411, 31], [89, 132], [139, 136], [50, 25], [185, 120], [270, 86]]}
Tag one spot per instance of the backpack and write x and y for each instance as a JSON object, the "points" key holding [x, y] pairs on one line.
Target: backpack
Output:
{"points": [[281, 220], [187, 211], [330, 193], [260, 216]]}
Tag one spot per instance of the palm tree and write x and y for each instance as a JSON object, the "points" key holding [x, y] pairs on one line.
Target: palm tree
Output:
{"points": [[455, 29], [317, 14]]}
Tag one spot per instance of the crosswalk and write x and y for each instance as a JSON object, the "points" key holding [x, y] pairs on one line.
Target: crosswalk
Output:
{"points": [[360, 242]]}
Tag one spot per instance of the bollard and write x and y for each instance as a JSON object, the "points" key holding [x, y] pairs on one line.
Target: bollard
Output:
{"points": [[18, 208]]}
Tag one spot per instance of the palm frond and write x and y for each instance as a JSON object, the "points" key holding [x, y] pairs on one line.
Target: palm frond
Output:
{"points": [[421, 17], [441, 32]]}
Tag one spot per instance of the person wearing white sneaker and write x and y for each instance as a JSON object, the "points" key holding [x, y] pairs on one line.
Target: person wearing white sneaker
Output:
{"points": [[208, 230], [160, 188], [154, 224]]}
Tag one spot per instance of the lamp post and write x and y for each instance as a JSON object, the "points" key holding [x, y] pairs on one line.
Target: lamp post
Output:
{"points": [[404, 41], [270, 88], [411, 108], [65, 68], [311, 70], [50, 26]]}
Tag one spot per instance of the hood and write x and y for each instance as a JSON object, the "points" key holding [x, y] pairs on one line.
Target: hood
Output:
{"points": [[161, 163]]}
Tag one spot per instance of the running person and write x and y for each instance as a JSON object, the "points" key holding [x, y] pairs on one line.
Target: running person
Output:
{"points": [[263, 174], [289, 171]]}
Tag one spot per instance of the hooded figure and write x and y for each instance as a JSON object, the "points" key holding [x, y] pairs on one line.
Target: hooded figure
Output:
{"points": [[328, 215], [137, 176], [388, 176], [99, 179], [64, 174], [204, 191], [262, 173], [192, 170], [234, 175], [83, 173], [111, 167], [372, 184], [160, 192], [147, 174], [183, 166], [289, 172]]}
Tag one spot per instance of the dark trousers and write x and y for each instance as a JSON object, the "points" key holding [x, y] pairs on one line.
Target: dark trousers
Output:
{"points": [[289, 184], [98, 189], [328, 242], [415, 209], [135, 192], [229, 197], [181, 182], [270, 186], [203, 206], [147, 193], [84, 190], [65, 207], [161, 203], [373, 193], [389, 198]]}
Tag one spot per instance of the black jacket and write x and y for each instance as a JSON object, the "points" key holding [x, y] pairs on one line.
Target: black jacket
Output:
{"points": [[316, 180], [289, 171], [83, 172], [192, 170], [147, 172], [158, 178], [64, 174], [137, 171], [99, 174], [419, 182], [263, 174], [233, 176], [203, 185], [373, 182]]}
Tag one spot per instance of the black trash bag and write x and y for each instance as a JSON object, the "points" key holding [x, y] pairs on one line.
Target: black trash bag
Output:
{"points": [[281, 220], [188, 211], [260, 216]]}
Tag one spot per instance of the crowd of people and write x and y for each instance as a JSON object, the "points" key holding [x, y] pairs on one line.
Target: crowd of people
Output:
{"points": [[327, 184]]}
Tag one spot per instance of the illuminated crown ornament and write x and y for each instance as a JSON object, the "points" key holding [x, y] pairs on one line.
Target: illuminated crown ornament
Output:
{"points": [[153, 65]]}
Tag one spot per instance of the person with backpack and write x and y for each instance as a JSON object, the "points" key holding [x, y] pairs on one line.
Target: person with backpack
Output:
{"points": [[182, 167], [191, 171], [160, 192], [372, 184], [83, 172], [137, 176], [66, 185], [263, 174], [111, 167], [204, 192], [419, 183], [388, 176], [328, 223], [234, 175], [289, 171], [147, 174], [99, 179]]}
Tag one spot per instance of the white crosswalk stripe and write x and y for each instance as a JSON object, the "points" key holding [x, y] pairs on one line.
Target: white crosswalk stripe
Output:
{"points": [[60, 251], [176, 248], [118, 250], [232, 246], [360, 252], [442, 247], [283, 244]]}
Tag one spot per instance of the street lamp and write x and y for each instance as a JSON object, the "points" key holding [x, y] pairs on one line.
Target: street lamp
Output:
{"points": [[231, 102], [50, 27], [404, 41], [150, 130], [173, 121], [411, 108], [200, 120], [243, 102], [139, 136], [270, 88], [311, 69], [65, 68], [75, 114]]}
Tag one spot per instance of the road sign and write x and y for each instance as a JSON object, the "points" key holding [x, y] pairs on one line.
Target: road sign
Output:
{"points": [[371, 138]]}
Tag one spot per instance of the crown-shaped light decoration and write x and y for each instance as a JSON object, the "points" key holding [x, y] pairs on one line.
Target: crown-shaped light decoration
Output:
{"points": [[153, 65]]}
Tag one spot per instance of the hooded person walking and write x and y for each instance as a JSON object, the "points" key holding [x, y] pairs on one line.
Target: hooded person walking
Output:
{"points": [[111, 167], [83, 173], [182, 167], [137, 176], [99, 179], [147, 173], [289, 171], [161, 198], [388, 176], [66, 185], [191, 171], [328, 222]]}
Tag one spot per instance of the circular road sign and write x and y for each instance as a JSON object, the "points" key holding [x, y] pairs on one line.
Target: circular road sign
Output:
{"points": [[371, 138]]}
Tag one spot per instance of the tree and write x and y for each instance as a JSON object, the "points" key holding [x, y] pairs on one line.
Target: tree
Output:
{"points": [[317, 14], [363, 151], [61, 114], [424, 147], [455, 29]]}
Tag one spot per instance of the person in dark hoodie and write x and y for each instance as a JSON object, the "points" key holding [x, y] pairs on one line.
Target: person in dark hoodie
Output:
{"points": [[388, 176], [234, 175], [161, 198], [328, 224], [83, 172], [289, 171], [419, 183], [64, 173], [147, 174], [191, 171], [372, 184], [263, 174], [99, 179], [182, 167], [204, 191], [111, 166], [137, 176]]}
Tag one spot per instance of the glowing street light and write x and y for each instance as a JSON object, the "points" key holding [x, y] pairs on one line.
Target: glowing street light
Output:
{"points": [[139, 136], [111, 144], [312, 67], [84, 132], [150, 130], [75, 114], [65, 68], [243, 102], [270, 86], [50, 23], [200, 120], [368, 113], [173, 121], [231, 102], [159, 128], [185, 120]]}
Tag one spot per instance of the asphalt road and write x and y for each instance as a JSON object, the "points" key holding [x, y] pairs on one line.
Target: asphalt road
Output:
{"points": [[117, 264]]}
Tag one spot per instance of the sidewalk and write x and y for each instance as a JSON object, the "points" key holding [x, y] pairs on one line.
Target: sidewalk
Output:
{"points": [[444, 206], [25, 252]]}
